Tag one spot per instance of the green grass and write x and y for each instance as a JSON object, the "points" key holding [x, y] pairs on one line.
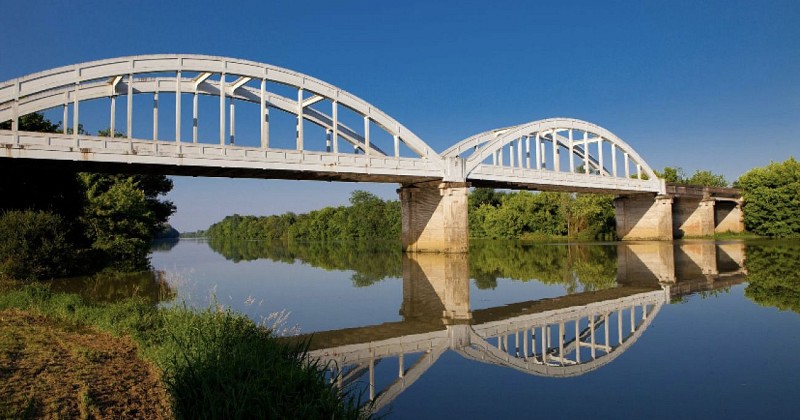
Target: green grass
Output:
{"points": [[215, 363]]}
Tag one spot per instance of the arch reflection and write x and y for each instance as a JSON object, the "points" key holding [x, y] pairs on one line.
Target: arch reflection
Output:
{"points": [[559, 337]]}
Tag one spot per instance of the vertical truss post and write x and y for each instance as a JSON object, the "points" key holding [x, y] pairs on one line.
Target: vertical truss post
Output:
{"points": [[233, 120], [528, 152], [627, 166], [401, 368], [335, 124], [519, 153], [571, 152], [605, 330], [328, 140], [561, 342], [299, 119], [155, 115], [366, 135], [15, 114], [65, 118], [600, 155], [538, 151], [112, 124], [525, 343], [633, 319], [129, 128], [511, 154], [178, 107], [578, 340], [396, 146], [614, 160], [593, 328], [638, 171], [194, 116], [264, 115], [222, 109], [75, 122], [585, 152], [556, 152]]}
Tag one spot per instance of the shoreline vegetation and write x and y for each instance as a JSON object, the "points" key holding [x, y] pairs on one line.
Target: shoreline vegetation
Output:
{"points": [[212, 363]]}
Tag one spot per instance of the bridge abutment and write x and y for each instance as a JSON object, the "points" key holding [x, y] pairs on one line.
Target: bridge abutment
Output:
{"points": [[643, 217], [434, 217]]}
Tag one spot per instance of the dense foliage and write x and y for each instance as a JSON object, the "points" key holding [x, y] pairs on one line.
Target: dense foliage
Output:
{"points": [[215, 363], [525, 215], [103, 220], [367, 217], [33, 244], [772, 199], [700, 177]]}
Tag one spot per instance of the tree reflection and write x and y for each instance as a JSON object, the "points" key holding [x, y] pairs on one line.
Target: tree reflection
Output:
{"points": [[774, 275], [575, 266], [578, 267]]}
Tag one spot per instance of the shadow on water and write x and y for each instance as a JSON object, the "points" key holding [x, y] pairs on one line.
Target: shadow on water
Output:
{"points": [[152, 286]]}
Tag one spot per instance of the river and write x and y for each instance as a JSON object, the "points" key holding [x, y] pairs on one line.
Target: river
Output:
{"points": [[650, 329]]}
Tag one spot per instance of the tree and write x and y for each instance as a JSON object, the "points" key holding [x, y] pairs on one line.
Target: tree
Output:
{"points": [[707, 179], [675, 175], [772, 198]]}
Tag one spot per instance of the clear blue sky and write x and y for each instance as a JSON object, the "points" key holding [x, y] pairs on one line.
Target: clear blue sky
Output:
{"points": [[697, 84]]}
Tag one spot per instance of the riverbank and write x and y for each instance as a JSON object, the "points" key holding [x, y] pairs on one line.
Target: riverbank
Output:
{"points": [[184, 363]]}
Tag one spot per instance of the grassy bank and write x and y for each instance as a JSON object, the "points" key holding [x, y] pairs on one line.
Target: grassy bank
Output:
{"points": [[213, 363]]}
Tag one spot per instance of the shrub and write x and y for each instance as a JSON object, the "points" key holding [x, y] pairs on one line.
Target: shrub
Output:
{"points": [[33, 245]]}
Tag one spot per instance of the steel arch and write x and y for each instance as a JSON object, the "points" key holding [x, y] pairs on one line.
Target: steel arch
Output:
{"points": [[104, 78]]}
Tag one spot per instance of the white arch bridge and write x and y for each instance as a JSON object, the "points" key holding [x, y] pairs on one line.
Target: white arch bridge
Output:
{"points": [[296, 127]]}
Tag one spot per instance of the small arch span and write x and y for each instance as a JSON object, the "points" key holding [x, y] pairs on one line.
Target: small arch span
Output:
{"points": [[555, 153]]}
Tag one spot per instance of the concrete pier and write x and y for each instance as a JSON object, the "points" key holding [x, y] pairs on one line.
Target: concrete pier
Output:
{"points": [[644, 217], [434, 217]]}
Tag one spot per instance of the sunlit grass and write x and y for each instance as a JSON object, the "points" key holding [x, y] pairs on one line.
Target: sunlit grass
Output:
{"points": [[215, 363]]}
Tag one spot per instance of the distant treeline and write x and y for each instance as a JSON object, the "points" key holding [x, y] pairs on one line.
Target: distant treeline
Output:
{"points": [[492, 214], [367, 217]]}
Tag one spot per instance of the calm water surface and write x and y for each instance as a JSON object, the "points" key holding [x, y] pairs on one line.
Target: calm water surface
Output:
{"points": [[668, 330]]}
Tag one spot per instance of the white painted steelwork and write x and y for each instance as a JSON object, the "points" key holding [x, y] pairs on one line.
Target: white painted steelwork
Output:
{"points": [[234, 80]]}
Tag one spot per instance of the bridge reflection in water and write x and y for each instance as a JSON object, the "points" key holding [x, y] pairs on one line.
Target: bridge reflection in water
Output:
{"points": [[559, 337]]}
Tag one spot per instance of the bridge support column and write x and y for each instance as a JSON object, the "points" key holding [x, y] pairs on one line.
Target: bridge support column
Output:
{"points": [[434, 217], [729, 217], [692, 217], [644, 217]]}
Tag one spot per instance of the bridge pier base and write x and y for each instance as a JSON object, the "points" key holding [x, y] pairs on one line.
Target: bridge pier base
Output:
{"points": [[729, 217], [644, 217], [692, 217], [434, 217]]}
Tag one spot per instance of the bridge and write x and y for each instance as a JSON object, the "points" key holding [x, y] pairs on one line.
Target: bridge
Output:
{"points": [[560, 337], [336, 136]]}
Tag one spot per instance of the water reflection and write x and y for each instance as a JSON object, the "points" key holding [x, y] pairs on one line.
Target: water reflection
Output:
{"points": [[774, 274], [559, 337], [152, 286]]}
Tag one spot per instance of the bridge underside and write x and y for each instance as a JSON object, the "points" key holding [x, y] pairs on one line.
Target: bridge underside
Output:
{"points": [[204, 171]]}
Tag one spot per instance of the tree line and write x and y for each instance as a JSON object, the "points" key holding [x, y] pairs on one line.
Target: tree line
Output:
{"points": [[56, 221]]}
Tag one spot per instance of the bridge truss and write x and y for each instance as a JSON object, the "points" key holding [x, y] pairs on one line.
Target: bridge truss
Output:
{"points": [[336, 135]]}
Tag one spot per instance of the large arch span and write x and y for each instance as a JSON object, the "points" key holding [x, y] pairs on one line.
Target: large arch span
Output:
{"points": [[359, 142]]}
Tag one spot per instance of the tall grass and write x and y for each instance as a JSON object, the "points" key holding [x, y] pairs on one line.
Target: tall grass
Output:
{"points": [[215, 363]]}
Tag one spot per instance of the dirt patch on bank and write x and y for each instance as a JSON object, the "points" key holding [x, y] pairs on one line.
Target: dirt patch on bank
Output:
{"points": [[49, 370]]}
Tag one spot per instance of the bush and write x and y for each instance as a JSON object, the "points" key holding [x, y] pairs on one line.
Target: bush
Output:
{"points": [[772, 198], [33, 245]]}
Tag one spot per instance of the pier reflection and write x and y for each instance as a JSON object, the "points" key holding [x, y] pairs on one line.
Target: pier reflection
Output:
{"points": [[557, 337]]}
